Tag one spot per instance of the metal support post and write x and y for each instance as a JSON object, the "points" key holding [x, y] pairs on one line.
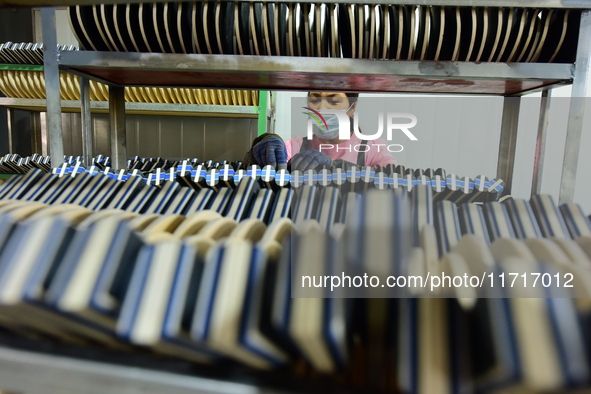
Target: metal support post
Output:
{"points": [[52, 86], [87, 150], [10, 124], [271, 112], [43, 133], [117, 127], [36, 132], [536, 184], [510, 123], [577, 109]]}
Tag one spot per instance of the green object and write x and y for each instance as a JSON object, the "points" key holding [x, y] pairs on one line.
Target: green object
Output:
{"points": [[6, 176], [263, 97], [22, 67]]}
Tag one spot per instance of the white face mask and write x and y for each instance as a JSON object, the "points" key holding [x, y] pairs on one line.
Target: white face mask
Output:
{"points": [[332, 121]]}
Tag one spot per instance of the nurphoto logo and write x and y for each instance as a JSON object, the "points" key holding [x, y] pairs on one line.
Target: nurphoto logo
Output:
{"points": [[330, 124]]}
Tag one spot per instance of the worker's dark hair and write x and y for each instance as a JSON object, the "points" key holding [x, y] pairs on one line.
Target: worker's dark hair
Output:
{"points": [[351, 96]]}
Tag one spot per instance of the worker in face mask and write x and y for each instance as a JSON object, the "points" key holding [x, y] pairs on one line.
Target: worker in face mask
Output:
{"points": [[326, 147]]}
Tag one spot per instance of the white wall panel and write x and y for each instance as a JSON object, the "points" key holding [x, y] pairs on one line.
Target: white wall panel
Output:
{"points": [[65, 35], [461, 135]]}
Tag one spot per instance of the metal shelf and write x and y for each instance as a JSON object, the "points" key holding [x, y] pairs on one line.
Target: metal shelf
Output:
{"points": [[361, 75], [489, 3], [306, 73], [226, 111], [58, 374]]}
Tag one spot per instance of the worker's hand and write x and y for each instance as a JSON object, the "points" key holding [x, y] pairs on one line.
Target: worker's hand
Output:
{"points": [[309, 160], [271, 151]]}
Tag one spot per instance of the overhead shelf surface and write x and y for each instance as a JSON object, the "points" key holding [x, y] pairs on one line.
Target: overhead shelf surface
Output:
{"points": [[305, 73]]}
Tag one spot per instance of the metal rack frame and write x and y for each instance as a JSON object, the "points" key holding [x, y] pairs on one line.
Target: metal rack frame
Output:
{"points": [[300, 73], [510, 80]]}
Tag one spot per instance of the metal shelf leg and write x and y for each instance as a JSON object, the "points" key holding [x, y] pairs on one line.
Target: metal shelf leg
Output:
{"points": [[52, 86], [576, 112], [536, 184], [86, 121], [10, 124], [117, 127], [510, 123], [273, 98]]}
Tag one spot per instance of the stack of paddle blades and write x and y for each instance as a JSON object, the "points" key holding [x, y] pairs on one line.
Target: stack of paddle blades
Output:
{"points": [[192, 175], [15, 164], [367, 31], [208, 274]]}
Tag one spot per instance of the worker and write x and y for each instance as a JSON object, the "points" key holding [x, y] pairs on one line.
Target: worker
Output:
{"points": [[325, 148]]}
